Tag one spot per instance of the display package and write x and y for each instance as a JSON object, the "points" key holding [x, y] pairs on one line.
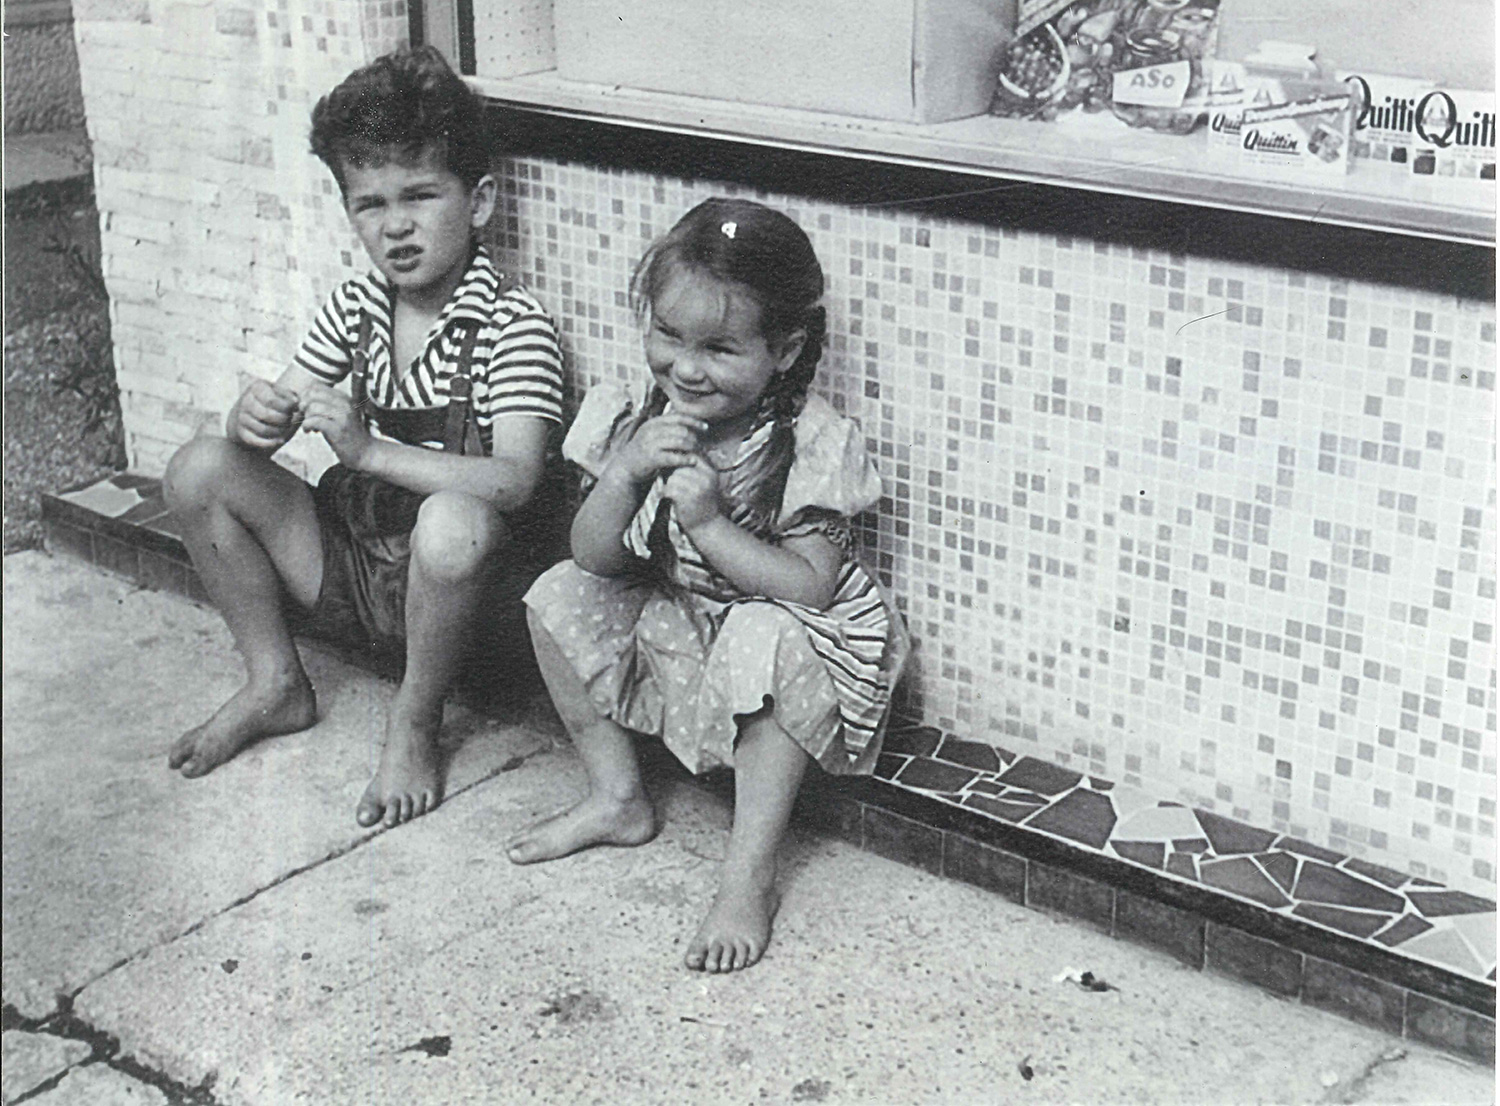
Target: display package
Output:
{"points": [[1287, 117], [1385, 110], [1147, 61], [1455, 134]]}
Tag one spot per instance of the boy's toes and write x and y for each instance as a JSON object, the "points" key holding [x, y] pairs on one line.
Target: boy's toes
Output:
{"points": [[369, 810], [182, 749], [397, 810]]}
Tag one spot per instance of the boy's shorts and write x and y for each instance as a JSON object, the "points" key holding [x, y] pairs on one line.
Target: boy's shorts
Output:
{"points": [[366, 526]]}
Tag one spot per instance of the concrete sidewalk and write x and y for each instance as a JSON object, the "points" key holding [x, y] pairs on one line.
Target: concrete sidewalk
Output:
{"points": [[238, 939]]}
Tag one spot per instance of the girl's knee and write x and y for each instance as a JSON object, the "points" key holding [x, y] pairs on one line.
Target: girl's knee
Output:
{"points": [[455, 534], [197, 472]]}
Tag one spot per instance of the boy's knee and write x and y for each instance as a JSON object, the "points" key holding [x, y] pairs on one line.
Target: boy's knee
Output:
{"points": [[454, 535], [196, 472]]}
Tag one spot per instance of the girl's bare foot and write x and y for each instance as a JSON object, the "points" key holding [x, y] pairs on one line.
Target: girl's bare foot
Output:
{"points": [[259, 709], [597, 820], [735, 933], [408, 782]]}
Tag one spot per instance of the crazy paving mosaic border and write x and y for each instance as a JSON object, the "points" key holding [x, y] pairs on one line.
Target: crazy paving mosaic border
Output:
{"points": [[122, 524], [1420, 919]]}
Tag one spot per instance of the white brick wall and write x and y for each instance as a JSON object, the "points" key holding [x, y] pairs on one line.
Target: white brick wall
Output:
{"points": [[219, 239]]}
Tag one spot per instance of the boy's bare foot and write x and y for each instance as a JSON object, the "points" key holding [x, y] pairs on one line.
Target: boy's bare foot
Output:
{"points": [[595, 821], [257, 710], [408, 782], [737, 929]]}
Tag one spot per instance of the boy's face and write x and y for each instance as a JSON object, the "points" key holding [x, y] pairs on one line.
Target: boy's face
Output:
{"points": [[416, 221]]}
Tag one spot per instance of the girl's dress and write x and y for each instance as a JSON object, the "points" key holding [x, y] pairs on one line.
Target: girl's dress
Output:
{"points": [[673, 649]]}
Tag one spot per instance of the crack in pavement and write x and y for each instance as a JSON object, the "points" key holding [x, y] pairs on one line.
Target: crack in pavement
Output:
{"points": [[104, 1048], [62, 1022], [1350, 1092]]}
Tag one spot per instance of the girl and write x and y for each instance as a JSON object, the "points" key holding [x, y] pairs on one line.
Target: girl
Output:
{"points": [[714, 597]]}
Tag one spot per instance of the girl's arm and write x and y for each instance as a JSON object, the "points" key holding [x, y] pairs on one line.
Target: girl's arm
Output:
{"points": [[799, 570], [665, 442], [599, 527]]}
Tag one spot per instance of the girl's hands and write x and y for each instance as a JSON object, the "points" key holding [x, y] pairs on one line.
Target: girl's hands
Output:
{"points": [[668, 441], [332, 414], [694, 488], [266, 416]]}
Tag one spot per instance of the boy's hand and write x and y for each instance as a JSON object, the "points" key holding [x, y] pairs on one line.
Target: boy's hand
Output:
{"points": [[666, 442], [332, 414], [267, 415], [694, 488]]}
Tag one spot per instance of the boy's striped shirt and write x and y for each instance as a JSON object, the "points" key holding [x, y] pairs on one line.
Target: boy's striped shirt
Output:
{"points": [[517, 365]]}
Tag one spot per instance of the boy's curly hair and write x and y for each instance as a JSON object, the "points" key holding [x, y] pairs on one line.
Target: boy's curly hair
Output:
{"points": [[395, 109]]}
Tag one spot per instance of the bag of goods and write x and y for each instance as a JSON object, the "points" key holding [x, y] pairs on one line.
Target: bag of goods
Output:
{"points": [[1145, 60]]}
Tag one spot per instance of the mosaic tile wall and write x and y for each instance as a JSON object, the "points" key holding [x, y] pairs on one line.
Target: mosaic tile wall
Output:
{"points": [[1220, 532]]}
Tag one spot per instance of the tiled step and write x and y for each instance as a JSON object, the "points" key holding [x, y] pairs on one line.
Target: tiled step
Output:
{"points": [[1301, 921]]}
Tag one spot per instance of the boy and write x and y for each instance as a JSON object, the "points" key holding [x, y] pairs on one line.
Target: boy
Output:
{"points": [[436, 509]]}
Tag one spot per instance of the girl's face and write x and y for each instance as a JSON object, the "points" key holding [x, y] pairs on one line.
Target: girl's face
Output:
{"points": [[705, 347]]}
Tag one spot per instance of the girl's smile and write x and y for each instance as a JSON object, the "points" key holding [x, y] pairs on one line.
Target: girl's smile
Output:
{"points": [[705, 348]]}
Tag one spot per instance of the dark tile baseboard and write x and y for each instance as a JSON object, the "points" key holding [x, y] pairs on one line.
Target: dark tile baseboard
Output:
{"points": [[122, 526]]}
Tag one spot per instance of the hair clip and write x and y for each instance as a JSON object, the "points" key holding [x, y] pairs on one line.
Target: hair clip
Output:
{"points": [[728, 229]]}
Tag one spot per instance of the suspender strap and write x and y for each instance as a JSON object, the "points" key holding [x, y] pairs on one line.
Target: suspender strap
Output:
{"points": [[460, 415], [359, 387]]}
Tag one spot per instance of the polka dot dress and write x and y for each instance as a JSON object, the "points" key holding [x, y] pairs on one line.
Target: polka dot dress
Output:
{"points": [[672, 650]]}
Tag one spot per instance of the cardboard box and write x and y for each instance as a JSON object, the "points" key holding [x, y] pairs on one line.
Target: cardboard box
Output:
{"points": [[918, 61]]}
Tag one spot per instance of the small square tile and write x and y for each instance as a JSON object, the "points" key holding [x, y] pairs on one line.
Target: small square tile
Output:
{"points": [[897, 838], [1253, 959], [984, 866], [825, 810], [116, 557], [1179, 932], [1450, 1027], [69, 541], [162, 574], [1352, 994], [1054, 889]]}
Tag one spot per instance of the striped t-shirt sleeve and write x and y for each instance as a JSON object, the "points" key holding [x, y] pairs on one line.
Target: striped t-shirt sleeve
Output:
{"points": [[328, 349], [525, 365]]}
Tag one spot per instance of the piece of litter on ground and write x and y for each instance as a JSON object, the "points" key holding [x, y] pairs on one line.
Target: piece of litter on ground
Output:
{"points": [[1086, 980], [1329, 1078], [1024, 1067]]}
